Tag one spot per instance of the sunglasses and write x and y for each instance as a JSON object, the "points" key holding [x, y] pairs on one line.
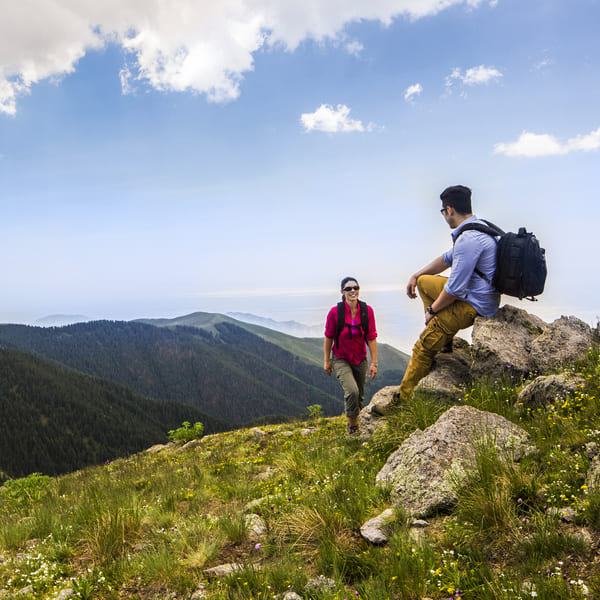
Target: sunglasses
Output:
{"points": [[350, 288]]}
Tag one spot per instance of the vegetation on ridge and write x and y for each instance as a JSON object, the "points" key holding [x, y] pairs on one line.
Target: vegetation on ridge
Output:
{"points": [[149, 526]]}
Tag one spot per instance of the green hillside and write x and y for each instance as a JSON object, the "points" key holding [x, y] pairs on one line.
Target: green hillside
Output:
{"points": [[234, 372], [54, 420], [392, 362], [261, 514]]}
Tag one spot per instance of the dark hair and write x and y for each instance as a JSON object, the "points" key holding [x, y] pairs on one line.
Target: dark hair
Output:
{"points": [[458, 197], [346, 280]]}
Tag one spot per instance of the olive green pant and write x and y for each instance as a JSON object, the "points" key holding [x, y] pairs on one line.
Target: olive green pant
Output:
{"points": [[439, 331], [352, 379]]}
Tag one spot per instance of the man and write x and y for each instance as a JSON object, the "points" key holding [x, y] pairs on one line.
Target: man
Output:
{"points": [[452, 303]]}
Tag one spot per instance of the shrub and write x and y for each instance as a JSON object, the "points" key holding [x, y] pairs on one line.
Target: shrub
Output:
{"points": [[187, 432]]}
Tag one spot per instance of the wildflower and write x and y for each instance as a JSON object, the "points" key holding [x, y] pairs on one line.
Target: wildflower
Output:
{"points": [[257, 547]]}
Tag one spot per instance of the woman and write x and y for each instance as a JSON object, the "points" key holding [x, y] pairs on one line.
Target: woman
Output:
{"points": [[349, 329]]}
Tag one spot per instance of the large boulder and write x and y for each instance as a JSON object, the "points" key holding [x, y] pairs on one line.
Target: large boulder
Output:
{"points": [[548, 389], [515, 342], [563, 342], [502, 344], [421, 472]]}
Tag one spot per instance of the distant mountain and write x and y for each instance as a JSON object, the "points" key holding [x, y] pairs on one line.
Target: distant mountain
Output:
{"points": [[54, 420], [224, 370], [392, 362], [290, 327], [60, 320]]}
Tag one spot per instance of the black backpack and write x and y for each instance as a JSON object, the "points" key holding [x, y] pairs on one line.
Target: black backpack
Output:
{"points": [[341, 320], [520, 262]]}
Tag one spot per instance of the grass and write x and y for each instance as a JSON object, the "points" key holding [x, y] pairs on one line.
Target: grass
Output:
{"points": [[148, 527]]}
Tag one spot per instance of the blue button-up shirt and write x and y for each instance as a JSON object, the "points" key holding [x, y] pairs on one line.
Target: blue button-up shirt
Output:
{"points": [[473, 250]]}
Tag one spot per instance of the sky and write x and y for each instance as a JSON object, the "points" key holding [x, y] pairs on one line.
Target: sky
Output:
{"points": [[163, 157]]}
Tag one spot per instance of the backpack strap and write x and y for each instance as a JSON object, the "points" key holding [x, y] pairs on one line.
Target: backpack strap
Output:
{"points": [[488, 228], [341, 320]]}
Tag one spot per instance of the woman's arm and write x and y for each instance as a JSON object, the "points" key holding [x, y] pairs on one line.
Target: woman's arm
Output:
{"points": [[372, 344], [327, 352]]}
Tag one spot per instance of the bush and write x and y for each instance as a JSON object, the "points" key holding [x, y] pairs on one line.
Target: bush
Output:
{"points": [[187, 432]]}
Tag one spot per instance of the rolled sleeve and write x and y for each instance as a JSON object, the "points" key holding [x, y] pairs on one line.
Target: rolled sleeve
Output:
{"points": [[331, 323], [372, 328]]}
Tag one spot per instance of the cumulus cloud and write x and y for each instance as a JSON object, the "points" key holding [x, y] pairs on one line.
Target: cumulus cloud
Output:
{"points": [[332, 120], [473, 76], [531, 145], [412, 91], [180, 45]]}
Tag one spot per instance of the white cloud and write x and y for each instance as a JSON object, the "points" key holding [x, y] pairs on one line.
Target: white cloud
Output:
{"points": [[473, 76], [332, 120], [532, 144], [180, 45], [412, 91], [354, 47]]}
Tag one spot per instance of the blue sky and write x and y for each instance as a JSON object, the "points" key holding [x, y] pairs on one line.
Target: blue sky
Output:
{"points": [[158, 158]]}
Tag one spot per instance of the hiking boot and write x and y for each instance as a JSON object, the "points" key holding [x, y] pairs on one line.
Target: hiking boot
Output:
{"points": [[353, 430]]}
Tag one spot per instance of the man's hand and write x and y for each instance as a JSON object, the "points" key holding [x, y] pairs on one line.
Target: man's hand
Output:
{"points": [[327, 366], [411, 288]]}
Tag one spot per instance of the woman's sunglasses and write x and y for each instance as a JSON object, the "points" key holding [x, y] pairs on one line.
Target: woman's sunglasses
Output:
{"points": [[350, 288]]}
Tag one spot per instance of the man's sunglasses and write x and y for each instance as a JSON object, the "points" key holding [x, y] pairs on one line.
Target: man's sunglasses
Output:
{"points": [[349, 288]]}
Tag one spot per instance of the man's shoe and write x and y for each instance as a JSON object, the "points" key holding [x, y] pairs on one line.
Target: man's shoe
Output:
{"points": [[353, 430]]}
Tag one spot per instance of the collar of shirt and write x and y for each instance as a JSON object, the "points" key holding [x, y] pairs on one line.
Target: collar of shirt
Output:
{"points": [[472, 219]]}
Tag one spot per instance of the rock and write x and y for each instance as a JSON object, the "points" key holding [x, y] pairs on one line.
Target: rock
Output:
{"points": [[199, 593], [256, 527], [64, 594], [502, 343], [320, 583], [370, 418], [449, 373], [592, 479], [419, 523], [563, 342], [566, 515], [518, 342], [291, 596], [545, 390], [420, 472], [257, 433], [223, 570], [376, 530], [591, 450], [158, 448], [308, 431]]}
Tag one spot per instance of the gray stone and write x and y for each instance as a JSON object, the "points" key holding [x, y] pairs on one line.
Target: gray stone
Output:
{"points": [[321, 583], [419, 523], [502, 344], [591, 450], [64, 594], [449, 373], [376, 530], [256, 527], [422, 472], [563, 342], [371, 417], [223, 570], [291, 596], [592, 479], [546, 390]]}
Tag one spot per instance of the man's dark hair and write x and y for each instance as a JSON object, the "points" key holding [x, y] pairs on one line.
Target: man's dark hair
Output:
{"points": [[458, 197]]}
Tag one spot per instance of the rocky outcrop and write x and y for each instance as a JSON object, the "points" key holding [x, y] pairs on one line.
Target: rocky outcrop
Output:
{"points": [[503, 343], [545, 390], [421, 472], [519, 343]]}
